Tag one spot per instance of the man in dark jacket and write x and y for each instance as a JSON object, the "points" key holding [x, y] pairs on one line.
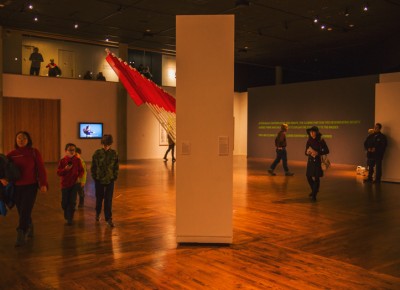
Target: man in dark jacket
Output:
{"points": [[280, 143], [376, 147]]}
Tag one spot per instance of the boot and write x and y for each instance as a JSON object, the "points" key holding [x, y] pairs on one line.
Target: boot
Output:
{"points": [[30, 231], [20, 238]]}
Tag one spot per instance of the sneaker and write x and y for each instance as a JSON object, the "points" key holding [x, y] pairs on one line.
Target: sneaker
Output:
{"points": [[110, 223], [271, 172], [97, 218], [289, 173], [165, 159]]}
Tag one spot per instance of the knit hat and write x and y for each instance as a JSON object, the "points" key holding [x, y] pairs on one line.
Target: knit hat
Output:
{"points": [[107, 140]]}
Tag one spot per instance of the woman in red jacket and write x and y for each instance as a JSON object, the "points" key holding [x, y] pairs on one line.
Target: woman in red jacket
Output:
{"points": [[33, 176]]}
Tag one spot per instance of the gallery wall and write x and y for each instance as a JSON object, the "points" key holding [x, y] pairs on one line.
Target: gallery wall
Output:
{"points": [[84, 56], [81, 101], [343, 109]]}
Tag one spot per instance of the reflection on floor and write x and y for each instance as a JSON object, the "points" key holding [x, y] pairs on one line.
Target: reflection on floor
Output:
{"points": [[348, 239]]}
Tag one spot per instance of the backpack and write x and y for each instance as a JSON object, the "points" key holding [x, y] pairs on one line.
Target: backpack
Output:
{"points": [[11, 171]]}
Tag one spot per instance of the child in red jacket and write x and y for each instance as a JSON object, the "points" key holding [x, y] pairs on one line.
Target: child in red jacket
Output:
{"points": [[69, 169]]}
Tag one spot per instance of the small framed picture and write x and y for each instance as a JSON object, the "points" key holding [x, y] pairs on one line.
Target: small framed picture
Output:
{"points": [[163, 137]]}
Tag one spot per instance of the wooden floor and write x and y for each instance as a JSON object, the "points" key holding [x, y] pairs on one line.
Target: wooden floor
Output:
{"points": [[349, 239]]}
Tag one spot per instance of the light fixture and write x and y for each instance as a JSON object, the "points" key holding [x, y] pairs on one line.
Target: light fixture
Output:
{"points": [[76, 25], [36, 19], [107, 40], [323, 26], [316, 19], [148, 33], [30, 6], [347, 12], [242, 3], [366, 7]]}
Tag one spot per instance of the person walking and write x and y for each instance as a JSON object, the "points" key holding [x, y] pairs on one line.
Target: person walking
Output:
{"points": [[171, 147], [315, 148], [281, 154], [376, 147], [70, 170], [104, 170], [32, 176], [81, 181]]}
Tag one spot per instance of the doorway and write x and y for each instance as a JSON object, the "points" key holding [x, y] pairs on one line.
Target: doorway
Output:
{"points": [[66, 60]]}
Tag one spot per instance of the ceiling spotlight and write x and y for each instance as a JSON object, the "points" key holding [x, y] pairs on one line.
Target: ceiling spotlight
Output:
{"points": [[76, 25], [148, 33], [107, 40], [316, 19], [242, 3], [30, 6], [347, 12], [323, 26], [36, 19], [366, 7]]}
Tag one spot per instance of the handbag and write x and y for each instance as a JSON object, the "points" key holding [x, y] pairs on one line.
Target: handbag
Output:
{"points": [[325, 163]]}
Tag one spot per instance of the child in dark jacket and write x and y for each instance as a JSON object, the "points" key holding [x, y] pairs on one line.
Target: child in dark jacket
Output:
{"points": [[69, 169]]}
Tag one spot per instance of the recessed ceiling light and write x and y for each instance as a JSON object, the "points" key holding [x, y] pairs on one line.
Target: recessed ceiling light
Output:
{"points": [[30, 6], [323, 26], [76, 25], [36, 19]]}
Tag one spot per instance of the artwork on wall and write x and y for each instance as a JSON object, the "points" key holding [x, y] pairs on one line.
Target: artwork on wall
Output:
{"points": [[163, 137]]}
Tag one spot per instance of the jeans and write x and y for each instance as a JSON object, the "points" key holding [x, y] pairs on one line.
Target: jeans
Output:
{"points": [[280, 154], [170, 147], [104, 192], [377, 163], [24, 198], [68, 201]]}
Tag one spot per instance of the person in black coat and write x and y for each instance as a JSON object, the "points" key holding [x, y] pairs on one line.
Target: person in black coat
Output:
{"points": [[377, 147], [315, 148]]}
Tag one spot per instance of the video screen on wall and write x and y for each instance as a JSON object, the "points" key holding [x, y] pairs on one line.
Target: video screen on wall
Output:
{"points": [[90, 130]]}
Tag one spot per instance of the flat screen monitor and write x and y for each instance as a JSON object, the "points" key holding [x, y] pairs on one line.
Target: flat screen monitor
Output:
{"points": [[90, 130]]}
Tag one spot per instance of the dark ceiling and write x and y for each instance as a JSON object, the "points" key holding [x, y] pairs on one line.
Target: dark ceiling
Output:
{"points": [[268, 32]]}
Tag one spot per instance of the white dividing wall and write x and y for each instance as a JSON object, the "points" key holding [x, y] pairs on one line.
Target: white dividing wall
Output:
{"points": [[204, 174], [240, 111], [387, 103]]}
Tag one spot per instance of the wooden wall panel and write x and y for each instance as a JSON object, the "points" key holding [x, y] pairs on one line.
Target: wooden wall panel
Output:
{"points": [[39, 117]]}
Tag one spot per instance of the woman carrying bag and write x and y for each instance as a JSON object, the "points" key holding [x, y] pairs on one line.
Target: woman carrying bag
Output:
{"points": [[315, 148], [33, 177]]}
